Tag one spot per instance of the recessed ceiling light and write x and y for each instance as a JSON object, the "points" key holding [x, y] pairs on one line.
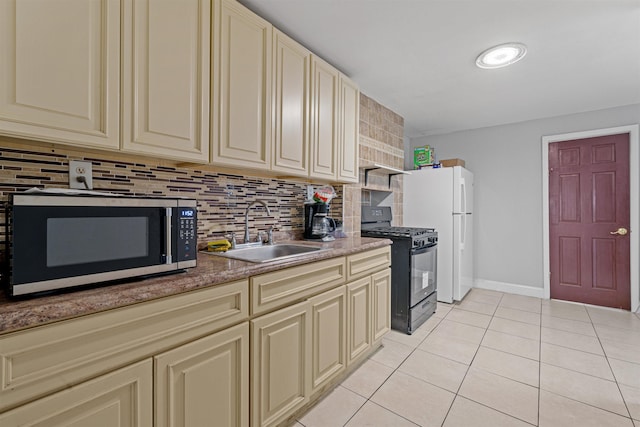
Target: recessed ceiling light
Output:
{"points": [[501, 55]]}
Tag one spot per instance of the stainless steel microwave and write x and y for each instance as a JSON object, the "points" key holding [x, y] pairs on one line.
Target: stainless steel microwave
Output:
{"points": [[59, 241]]}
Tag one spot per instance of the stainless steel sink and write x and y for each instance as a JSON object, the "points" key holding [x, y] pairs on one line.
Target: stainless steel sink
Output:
{"points": [[268, 252]]}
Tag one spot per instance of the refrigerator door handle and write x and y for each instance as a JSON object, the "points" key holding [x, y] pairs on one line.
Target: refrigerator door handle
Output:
{"points": [[463, 195], [463, 231]]}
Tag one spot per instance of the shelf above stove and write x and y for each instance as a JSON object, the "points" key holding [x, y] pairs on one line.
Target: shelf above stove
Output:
{"points": [[384, 170]]}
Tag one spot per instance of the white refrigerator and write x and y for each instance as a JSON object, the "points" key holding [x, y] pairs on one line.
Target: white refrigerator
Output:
{"points": [[442, 198]]}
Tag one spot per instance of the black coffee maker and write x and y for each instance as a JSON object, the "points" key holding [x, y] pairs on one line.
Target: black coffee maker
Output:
{"points": [[317, 225]]}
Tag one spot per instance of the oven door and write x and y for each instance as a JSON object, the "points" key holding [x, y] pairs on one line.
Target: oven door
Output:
{"points": [[61, 246], [423, 273]]}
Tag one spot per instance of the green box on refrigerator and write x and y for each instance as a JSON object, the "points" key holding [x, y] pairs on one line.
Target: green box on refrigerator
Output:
{"points": [[422, 156]]}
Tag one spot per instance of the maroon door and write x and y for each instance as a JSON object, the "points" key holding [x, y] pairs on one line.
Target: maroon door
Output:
{"points": [[588, 218]]}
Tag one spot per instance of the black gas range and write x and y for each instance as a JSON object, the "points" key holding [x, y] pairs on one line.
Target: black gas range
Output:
{"points": [[413, 267], [420, 237]]}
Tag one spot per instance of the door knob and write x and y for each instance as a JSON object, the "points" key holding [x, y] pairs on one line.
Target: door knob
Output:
{"points": [[620, 231]]}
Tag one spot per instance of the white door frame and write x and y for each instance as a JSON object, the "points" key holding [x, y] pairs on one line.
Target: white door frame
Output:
{"points": [[634, 193]]}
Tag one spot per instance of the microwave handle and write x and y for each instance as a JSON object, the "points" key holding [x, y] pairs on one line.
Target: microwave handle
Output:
{"points": [[167, 235]]}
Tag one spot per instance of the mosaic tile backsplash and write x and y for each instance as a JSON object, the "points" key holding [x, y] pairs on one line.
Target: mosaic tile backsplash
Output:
{"points": [[222, 197]]}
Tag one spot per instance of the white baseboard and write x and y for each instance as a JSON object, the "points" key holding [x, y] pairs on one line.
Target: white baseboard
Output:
{"points": [[511, 288]]}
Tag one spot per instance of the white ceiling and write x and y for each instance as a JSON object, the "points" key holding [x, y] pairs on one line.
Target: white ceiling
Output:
{"points": [[417, 57]]}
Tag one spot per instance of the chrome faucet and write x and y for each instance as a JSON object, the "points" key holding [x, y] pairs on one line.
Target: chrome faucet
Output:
{"points": [[246, 217]]}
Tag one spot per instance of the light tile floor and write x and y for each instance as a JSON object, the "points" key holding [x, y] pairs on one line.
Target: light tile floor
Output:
{"points": [[497, 360]]}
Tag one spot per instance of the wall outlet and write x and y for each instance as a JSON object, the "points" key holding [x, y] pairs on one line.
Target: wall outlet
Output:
{"points": [[80, 175]]}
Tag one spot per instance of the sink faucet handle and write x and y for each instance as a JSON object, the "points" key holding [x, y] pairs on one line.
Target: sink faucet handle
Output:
{"points": [[270, 240], [259, 237]]}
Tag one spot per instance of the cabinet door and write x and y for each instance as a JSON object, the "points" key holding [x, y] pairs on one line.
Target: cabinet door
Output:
{"points": [[329, 336], [381, 293], [241, 116], [205, 382], [359, 318], [166, 62], [323, 119], [290, 118], [348, 138], [59, 71], [280, 363], [121, 398]]}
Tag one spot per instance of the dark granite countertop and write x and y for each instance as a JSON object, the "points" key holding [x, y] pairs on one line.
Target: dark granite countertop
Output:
{"points": [[212, 270]]}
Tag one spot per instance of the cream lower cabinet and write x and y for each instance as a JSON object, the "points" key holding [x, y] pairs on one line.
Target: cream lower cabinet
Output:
{"points": [[359, 315], [206, 382], [280, 363], [118, 399], [299, 351], [368, 312], [199, 340], [295, 352], [329, 336], [381, 304], [204, 357]]}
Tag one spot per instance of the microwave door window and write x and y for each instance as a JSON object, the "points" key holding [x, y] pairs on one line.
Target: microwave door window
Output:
{"points": [[72, 241], [59, 242]]}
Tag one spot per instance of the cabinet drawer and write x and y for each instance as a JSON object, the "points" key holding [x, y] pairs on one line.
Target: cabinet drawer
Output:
{"points": [[121, 398], [41, 360], [363, 264], [272, 290]]}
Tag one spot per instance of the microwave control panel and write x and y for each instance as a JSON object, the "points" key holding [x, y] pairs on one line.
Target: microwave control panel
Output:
{"points": [[187, 234]]}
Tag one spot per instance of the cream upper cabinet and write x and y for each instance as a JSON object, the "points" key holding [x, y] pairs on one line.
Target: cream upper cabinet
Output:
{"points": [[205, 382], [120, 399], [333, 123], [323, 119], [241, 86], [290, 107], [348, 134], [166, 63], [59, 71]]}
